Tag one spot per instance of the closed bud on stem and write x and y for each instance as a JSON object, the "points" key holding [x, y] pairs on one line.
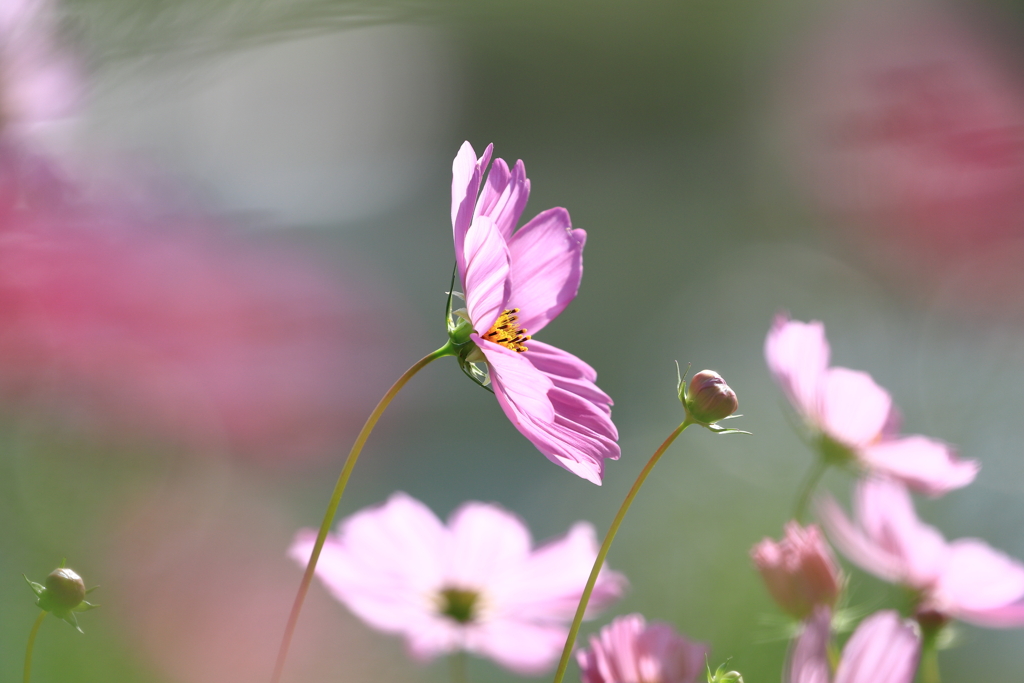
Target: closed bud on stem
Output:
{"points": [[62, 593], [722, 676], [800, 571], [709, 399]]}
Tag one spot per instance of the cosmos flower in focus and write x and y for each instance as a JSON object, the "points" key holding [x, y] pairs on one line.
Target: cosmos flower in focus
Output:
{"points": [[515, 282], [629, 650], [475, 584], [853, 418], [965, 579], [799, 571], [883, 649]]}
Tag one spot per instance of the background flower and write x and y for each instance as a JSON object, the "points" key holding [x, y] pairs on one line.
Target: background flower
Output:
{"points": [[629, 650], [799, 571], [475, 584]]}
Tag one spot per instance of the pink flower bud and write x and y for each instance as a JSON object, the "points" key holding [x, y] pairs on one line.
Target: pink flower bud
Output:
{"points": [[709, 398], [799, 571]]}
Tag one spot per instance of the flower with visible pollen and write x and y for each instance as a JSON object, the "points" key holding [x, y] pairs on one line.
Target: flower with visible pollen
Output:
{"points": [[476, 584], [515, 282], [800, 571]]}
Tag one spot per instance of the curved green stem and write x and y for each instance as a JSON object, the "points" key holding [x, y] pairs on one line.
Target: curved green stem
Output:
{"points": [[339, 489], [930, 659], [31, 644], [811, 481], [570, 641], [457, 666]]}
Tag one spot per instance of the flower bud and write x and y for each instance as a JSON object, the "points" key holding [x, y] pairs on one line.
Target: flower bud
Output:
{"points": [[799, 571], [65, 589], [709, 398]]}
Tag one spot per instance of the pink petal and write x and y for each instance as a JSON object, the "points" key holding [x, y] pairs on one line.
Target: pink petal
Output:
{"points": [[859, 548], [522, 392], [667, 656], [467, 171], [504, 196], [485, 278], [853, 409], [522, 647], [548, 586], [977, 577], [887, 515], [1008, 616], [921, 463], [547, 265], [486, 540], [568, 372], [797, 354], [808, 659], [883, 649]]}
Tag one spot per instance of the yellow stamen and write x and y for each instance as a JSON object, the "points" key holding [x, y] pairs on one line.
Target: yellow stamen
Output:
{"points": [[506, 331]]}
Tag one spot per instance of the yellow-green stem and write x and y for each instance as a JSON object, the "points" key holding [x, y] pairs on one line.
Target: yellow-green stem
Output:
{"points": [[457, 666], [930, 659], [570, 641], [31, 644], [339, 489]]}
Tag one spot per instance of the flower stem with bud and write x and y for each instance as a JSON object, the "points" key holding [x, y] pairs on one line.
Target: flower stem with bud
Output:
{"points": [[31, 644], [339, 488]]}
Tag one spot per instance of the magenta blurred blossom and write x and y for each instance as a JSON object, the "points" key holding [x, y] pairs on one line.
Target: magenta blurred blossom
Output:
{"points": [[517, 282], [965, 579], [849, 410], [629, 650], [179, 331], [883, 649], [800, 571], [475, 584]]}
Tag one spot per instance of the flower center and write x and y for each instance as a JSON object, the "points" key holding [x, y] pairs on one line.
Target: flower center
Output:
{"points": [[506, 331], [459, 604]]}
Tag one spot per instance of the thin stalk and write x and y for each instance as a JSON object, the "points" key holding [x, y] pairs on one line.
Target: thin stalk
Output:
{"points": [[457, 666], [811, 481], [929, 672], [31, 645], [339, 489], [574, 630]]}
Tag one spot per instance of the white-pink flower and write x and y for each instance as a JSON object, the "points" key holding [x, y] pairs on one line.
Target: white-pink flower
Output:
{"points": [[515, 283], [883, 649], [965, 579], [475, 584], [853, 418], [629, 650]]}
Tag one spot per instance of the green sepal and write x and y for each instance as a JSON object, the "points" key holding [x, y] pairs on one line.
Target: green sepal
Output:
{"points": [[722, 430], [37, 588], [722, 676]]}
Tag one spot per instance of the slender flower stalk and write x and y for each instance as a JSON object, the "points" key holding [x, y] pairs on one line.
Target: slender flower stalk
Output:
{"points": [[339, 490], [31, 645], [570, 641], [457, 666], [811, 481]]}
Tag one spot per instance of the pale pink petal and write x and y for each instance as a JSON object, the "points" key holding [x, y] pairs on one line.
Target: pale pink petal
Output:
{"points": [[859, 548], [583, 413], [808, 658], [486, 540], [883, 649], [549, 584], [485, 279], [797, 354], [467, 171], [547, 265], [523, 647], [977, 577], [669, 657], [431, 636], [1008, 616], [853, 409], [504, 196], [924, 464], [568, 372], [522, 393], [887, 515]]}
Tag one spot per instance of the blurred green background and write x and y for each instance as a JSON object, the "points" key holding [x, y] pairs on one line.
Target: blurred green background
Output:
{"points": [[662, 127]]}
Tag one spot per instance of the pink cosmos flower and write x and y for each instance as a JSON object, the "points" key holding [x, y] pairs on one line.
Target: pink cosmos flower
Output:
{"points": [[517, 281], [965, 579], [883, 649], [799, 571], [628, 650], [854, 417], [476, 584]]}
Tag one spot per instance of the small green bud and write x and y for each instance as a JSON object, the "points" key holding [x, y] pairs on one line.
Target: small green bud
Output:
{"points": [[709, 398], [721, 676], [63, 594]]}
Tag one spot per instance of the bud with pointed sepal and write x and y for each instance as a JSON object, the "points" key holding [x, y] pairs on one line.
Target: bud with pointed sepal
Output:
{"points": [[707, 400], [62, 593]]}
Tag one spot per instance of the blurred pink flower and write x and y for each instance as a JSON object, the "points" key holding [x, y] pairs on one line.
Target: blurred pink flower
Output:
{"points": [[799, 571], [628, 650], [883, 649], [853, 417], [514, 283], [965, 579], [212, 341], [476, 584]]}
